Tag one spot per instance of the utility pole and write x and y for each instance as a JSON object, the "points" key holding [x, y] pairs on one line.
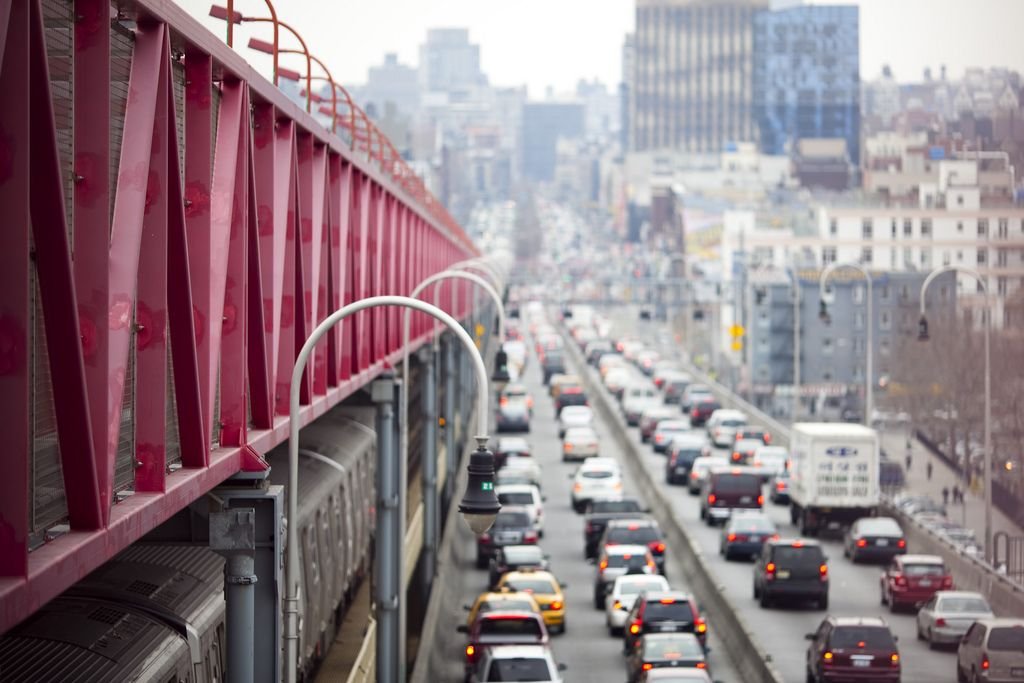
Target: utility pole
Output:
{"points": [[387, 578]]}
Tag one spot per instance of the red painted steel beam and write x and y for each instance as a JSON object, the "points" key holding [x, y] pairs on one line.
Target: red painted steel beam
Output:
{"points": [[15, 320]]}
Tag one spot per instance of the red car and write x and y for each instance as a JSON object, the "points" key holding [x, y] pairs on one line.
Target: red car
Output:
{"points": [[852, 649], [702, 409], [913, 580], [502, 628]]}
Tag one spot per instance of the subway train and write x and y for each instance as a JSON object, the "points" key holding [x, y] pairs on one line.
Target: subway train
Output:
{"points": [[156, 611]]}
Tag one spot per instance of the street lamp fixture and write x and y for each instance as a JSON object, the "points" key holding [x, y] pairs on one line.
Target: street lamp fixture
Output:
{"points": [[823, 313], [500, 375], [922, 329], [479, 505]]}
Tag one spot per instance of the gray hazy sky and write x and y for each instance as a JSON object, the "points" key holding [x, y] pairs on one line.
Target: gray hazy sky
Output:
{"points": [[557, 42]]}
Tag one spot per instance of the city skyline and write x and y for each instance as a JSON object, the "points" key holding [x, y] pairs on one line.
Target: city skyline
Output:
{"points": [[551, 60]]}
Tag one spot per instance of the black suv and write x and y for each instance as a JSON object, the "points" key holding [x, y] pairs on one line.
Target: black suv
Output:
{"points": [[636, 531], [663, 612], [681, 454], [599, 513], [791, 569]]}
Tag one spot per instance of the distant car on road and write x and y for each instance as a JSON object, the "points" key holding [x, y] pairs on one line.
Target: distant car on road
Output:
{"points": [[668, 612], [945, 618], [624, 593], [665, 650], [852, 649], [574, 416], [595, 478], [517, 663], [874, 538], [791, 569], [614, 561], [512, 526], [745, 534], [993, 647], [579, 443], [913, 579]]}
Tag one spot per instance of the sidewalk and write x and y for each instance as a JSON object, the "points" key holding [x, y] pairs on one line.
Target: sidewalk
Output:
{"points": [[972, 513]]}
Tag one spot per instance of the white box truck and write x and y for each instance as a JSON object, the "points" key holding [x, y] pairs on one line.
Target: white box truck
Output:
{"points": [[834, 471]]}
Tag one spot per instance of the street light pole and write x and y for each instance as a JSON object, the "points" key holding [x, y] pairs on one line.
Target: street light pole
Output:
{"points": [[923, 336], [869, 381], [479, 505]]}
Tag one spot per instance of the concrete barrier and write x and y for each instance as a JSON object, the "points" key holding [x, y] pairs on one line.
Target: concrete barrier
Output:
{"points": [[742, 648]]}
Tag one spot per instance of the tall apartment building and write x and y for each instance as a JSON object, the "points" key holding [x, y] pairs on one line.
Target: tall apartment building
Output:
{"points": [[692, 86], [449, 62], [807, 76]]}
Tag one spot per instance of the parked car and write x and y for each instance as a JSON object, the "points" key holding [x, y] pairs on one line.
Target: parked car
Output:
{"points": [[874, 538], [517, 663], [595, 478], [852, 649], [682, 451], [514, 557], [791, 569], [614, 561], [668, 612], [545, 588], [665, 650], [574, 416], [722, 426], [992, 650], [512, 526], [946, 616], [745, 535], [666, 431], [579, 443], [911, 580], [727, 490], [501, 628], [624, 593]]}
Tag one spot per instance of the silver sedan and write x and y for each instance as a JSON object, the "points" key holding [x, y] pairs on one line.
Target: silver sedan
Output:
{"points": [[946, 617]]}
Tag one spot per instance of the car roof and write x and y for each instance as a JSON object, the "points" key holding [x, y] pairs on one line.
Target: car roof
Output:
{"points": [[676, 673], [515, 508], [859, 621], [672, 424], [1002, 621], [599, 463], [642, 578], [502, 595], [639, 520], [568, 410], [507, 614], [506, 441], [519, 652], [516, 488], [652, 596], [920, 559], [749, 443], [529, 574], [960, 594], [625, 549], [795, 542]]}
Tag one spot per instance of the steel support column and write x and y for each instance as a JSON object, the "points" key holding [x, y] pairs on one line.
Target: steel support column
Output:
{"points": [[387, 578], [430, 500], [451, 457], [233, 535]]}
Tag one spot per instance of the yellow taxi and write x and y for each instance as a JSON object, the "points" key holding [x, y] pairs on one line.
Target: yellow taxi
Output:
{"points": [[502, 601], [545, 588]]}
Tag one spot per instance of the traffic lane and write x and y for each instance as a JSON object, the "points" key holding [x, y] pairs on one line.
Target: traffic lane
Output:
{"points": [[586, 647], [853, 590]]}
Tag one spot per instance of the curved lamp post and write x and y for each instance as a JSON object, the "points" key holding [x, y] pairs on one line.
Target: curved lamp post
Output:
{"points": [[479, 505], [869, 382], [922, 335]]}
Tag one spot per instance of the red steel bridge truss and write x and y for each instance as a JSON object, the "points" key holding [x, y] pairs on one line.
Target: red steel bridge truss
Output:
{"points": [[173, 228]]}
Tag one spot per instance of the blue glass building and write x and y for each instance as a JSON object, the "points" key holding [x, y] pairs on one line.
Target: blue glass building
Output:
{"points": [[806, 80]]}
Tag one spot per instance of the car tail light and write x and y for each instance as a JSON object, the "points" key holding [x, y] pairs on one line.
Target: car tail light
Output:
{"points": [[656, 546], [470, 651], [693, 475], [617, 485], [894, 659], [634, 628], [577, 487], [779, 486], [827, 657], [736, 455], [823, 571], [718, 432], [760, 500], [984, 661], [767, 438], [504, 401], [776, 537], [701, 665], [712, 498], [899, 579], [694, 412], [590, 528], [902, 543], [702, 626], [668, 601], [530, 537], [658, 438], [769, 571], [617, 604], [648, 666], [603, 565], [557, 604], [940, 622], [947, 582], [529, 401], [485, 538], [731, 537], [861, 542], [567, 447]]}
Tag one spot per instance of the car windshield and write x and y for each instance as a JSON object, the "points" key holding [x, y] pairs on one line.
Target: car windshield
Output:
{"points": [[526, 553], [639, 535], [634, 587], [576, 413], [506, 606], [880, 527], [862, 637], [510, 626], [669, 610], [515, 498], [798, 556], [530, 585], [732, 422], [511, 519], [672, 647], [924, 570], [597, 474], [751, 524], [737, 483], [519, 669], [1006, 638], [673, 426], [628, 560], [513, 446], [615, 506], [957, 605]]}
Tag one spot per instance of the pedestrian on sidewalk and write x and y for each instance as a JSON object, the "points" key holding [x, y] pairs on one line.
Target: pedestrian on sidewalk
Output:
{"points": [[945, 495], [910, 458], [957, 495], [928, 470]]}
